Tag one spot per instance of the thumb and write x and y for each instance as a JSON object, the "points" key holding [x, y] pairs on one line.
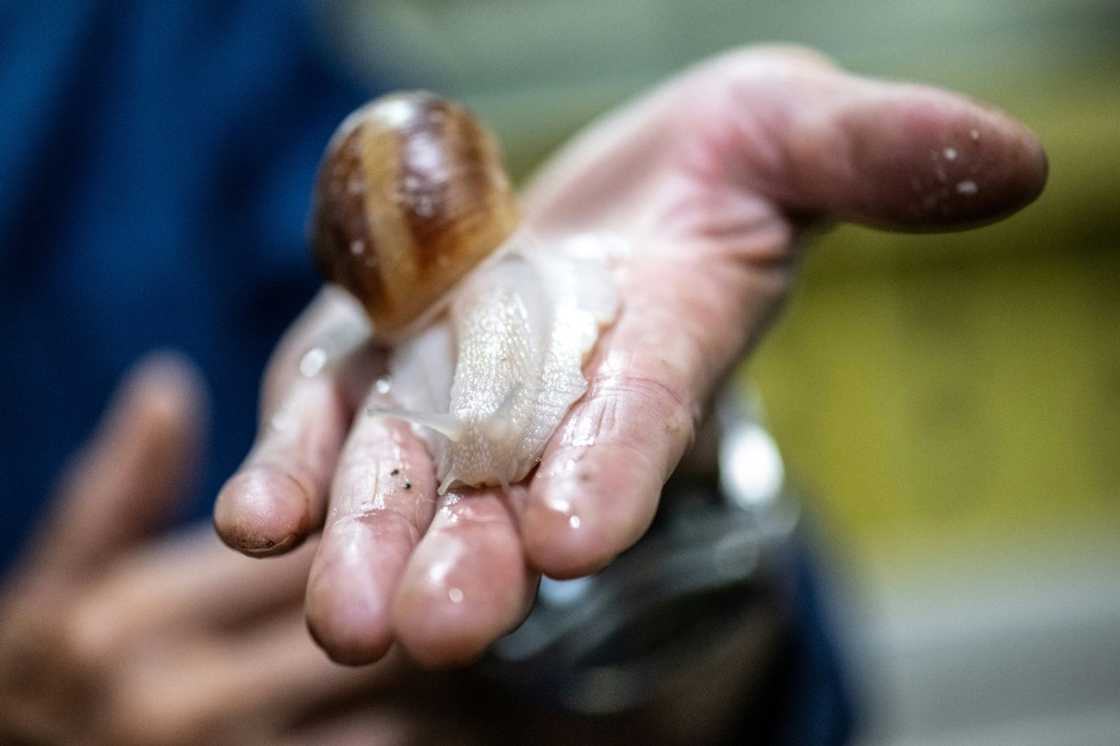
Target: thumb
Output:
{"points": [[897, 155], [127, 478], [811, 139]]}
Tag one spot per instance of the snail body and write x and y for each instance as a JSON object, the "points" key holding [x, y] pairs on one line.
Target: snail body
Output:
{"points": [[490, 327], [518, 332]]}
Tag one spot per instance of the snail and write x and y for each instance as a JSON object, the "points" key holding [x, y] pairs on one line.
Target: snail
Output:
{"points": [[488, 326]]}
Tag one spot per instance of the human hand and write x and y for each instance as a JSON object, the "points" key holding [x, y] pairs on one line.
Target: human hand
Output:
{"points": [[712, 179], [110, 637]]}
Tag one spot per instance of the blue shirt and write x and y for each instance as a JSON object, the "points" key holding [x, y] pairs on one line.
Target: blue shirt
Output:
{"points": [[156, 162]]}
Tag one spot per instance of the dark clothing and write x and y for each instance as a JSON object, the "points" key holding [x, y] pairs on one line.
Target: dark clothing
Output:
{"points": [[156, 163], [807, 699]]}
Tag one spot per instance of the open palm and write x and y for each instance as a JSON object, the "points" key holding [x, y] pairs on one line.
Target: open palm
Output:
{"points": [[711, 179]]}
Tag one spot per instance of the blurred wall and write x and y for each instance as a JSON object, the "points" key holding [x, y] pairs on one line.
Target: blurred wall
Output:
{"points": [[951, 403]]}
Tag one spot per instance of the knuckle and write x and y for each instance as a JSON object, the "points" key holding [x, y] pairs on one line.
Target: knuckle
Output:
{"points": [[476, 515], [391, 519], [650, 395]]}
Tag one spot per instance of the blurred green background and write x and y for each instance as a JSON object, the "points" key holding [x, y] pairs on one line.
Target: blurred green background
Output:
{"points": [[950, 403]]}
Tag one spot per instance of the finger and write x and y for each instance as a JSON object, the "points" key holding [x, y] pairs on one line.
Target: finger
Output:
{"points": [[382, 500], [191, 582], [275, 675], [127, 479], [467, 582], [278, 496], [601, 474]]}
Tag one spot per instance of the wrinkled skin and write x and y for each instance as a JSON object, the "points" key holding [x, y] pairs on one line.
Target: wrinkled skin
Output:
{"points": [[712, 178]]}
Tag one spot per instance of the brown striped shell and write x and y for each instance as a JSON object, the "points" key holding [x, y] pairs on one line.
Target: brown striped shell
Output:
{"points": [[411, 196]]}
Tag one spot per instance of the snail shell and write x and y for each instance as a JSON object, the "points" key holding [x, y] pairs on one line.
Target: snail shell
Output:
{"points": [[410, 201], [411, 196]]}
